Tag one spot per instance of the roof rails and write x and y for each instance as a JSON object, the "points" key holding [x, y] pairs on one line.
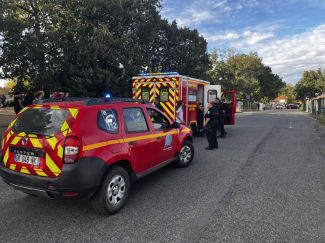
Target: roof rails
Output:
{"points": [[98, 101], [62, 99]]}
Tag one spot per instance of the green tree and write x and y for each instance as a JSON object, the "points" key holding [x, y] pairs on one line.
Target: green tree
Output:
{"points": [[290, 92], [245, 73], [311, 83]]}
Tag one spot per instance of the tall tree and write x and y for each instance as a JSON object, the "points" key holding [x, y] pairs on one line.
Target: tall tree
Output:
{"points": [[311, 83]]}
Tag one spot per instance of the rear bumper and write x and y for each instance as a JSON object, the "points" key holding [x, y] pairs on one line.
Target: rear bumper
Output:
{"points": [[80, 179]]}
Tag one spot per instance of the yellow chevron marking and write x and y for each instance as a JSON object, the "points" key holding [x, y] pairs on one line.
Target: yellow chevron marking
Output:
{"points": [[167, 110], [2, 144], [60, 151], [12, 167], [51, 165], [52, 141], [32, 135], [65, 126], [73, 112], [171, 100], [36, 143], [40, 172], [6, 157], [174, 79], [15, 140], [24, 170], [8, 137], [138, 93], [161, 80], [171, 107]]}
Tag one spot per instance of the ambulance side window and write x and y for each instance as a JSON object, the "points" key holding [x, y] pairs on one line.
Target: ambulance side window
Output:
{"points": [[145, 95], [164, 94], [158, 120]]}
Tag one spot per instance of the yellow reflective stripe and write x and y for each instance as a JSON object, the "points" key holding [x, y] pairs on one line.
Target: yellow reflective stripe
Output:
{"points": [[186, 130], [102, 144], [25, 108], [51, 165], [15, 140], [6, 157], [55, 107], [36, 143], [24, 170], [12, 123], [73, 112], [65, 126], [40, 172], [167, 110], [2, 144], [170, 106], [52, 141], [126, 140], [12, 167], [60, 151], [8, 137]]}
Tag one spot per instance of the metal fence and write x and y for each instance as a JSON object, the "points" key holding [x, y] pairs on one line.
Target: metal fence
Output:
{"points": [[315, 106]]}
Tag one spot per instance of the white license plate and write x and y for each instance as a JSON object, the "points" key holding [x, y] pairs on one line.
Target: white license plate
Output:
{"points": [[27, 159]]}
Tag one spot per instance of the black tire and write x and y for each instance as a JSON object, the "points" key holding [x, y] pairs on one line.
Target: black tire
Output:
{"points": [[184, 158], [109, 201]]}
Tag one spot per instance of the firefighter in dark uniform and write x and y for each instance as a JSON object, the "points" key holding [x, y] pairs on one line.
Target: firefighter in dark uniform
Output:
{"points": [[221, 123], [211, 123]]}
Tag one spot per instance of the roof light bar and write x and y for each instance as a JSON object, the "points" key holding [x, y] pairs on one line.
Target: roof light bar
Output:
{"points": [[154, 74]]}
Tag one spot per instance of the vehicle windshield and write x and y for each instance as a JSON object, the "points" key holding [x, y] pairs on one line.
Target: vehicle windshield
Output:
{"points": [[42, 121]]}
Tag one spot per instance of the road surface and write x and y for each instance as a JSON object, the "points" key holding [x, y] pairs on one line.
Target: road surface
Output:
{"points": [[266, 182]]}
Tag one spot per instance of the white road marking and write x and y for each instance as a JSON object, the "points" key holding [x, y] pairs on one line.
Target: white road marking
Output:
{"points": [[290, 126]]}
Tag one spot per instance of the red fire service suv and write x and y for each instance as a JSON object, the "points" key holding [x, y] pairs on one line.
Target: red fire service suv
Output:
{"points": [[93, 148]]}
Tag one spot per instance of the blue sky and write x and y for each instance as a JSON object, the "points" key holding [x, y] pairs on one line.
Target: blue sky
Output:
{"points": [[289, 35]]}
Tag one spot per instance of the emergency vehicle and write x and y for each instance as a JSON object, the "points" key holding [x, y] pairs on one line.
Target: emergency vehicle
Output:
{"points": [[172, 87]]}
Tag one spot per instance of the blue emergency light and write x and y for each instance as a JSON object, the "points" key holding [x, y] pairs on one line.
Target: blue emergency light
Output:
{"points": [[107, 96], [154, 74]]}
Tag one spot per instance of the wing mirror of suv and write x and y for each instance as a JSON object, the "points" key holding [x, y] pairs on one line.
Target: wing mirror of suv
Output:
{"points": [[175, 125]]}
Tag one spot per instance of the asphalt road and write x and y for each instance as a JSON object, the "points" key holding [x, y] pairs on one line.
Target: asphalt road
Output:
{"points": [[266, 183]]}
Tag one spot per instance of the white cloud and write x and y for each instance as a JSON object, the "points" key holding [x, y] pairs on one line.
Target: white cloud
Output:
{"points": [[290, 56]]}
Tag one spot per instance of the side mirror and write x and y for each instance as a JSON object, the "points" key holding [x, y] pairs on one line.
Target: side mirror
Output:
{"points": [[175, 125]]}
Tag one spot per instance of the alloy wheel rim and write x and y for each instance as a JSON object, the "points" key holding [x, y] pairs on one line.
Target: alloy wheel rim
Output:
{"points": [[116, 190], [185, 154]]}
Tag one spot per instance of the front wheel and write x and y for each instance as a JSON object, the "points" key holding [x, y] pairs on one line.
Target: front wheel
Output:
{"points": [[185, 155], [113, 193]]}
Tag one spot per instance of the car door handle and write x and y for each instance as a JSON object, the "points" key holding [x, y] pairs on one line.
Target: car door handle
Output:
{"points": [[132, 143], [159, 138]]}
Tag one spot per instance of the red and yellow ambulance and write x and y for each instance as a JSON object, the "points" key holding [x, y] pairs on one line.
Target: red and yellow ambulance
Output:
{"points": [[172, 87]]}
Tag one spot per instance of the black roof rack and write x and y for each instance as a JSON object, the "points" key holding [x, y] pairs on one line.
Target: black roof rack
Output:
{"points": [[98, 101], [63, 99]]}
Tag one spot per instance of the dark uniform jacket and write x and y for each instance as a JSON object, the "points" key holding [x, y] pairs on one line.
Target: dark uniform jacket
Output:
{"points": [[213, 114]]}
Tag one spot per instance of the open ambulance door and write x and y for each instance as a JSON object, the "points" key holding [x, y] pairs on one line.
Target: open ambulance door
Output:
{"points": [[211, 92], [229, 98]]}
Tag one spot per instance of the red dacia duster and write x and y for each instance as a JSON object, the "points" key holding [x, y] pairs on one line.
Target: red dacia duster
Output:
{"points": [[93, 148]]}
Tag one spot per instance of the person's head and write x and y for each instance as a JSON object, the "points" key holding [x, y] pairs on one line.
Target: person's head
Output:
{"points": [[179, 104], [39, 94], [217, 100], [157, 100], [211, 104]]}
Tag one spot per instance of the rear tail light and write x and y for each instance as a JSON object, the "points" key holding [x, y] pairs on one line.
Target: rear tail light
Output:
{"points": [[71, 150]]}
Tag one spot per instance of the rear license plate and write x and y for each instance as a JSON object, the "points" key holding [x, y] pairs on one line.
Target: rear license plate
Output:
{"points": [[27, 159]]}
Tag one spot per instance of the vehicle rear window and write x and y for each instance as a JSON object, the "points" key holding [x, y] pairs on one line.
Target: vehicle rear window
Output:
{"points": [[42, 121]]}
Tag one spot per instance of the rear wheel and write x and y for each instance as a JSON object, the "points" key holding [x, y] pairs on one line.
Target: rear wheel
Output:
{"points": [[113, 192], [185, 156]]}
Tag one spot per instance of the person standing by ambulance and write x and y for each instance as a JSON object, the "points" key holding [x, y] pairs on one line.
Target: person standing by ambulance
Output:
{"points": [[221, 123], [211, 124]]}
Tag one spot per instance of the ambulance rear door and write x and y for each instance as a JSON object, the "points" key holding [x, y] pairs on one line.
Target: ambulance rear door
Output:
{"points": [[211, 92]]}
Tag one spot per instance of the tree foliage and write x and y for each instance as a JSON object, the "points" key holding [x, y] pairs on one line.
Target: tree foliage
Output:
{"points": [[311, 83], [89, 47], [245, 73]]}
